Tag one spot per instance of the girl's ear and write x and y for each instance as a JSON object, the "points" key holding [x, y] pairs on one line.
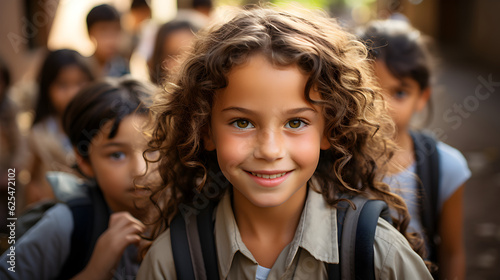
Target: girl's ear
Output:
{"points": [[84, 165], [325, 144], [208, 139], [423, 99]]}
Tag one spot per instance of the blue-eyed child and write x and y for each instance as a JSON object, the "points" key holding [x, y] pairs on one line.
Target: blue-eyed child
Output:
{"points": [[94, 234]]}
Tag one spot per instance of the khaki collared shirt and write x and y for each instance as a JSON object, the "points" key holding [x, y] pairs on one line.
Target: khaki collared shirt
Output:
{"points": [[314, 244]]}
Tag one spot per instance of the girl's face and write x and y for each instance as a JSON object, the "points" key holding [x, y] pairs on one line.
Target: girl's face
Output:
{"points": [[116, 162], [403, 96], [266, 135], [67, 84]]}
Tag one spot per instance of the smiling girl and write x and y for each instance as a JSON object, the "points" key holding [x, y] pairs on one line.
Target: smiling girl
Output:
{"points": [[273, 117]]}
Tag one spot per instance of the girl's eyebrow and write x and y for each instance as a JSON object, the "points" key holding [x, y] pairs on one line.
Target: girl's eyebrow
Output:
{"points": [[114, 144], [300, 110], [250, 112], [405, 84]]}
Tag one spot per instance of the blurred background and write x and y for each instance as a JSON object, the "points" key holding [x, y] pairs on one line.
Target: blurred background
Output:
{"points": [[466, 91]]}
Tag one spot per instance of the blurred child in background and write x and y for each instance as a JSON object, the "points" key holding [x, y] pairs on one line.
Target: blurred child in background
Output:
{"points": [[92, 235], [172, 41], [63, 73], [402, 65], [136, 18], [105, 31]]}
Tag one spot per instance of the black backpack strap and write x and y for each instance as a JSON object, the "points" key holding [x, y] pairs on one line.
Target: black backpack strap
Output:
{"points": [[100, 218], [82, 212], [193, 246], [90, 218], [180, 249], [333, 269], [365, 237], [207, 240], [348, 239], [356, 235], [427, 159]]}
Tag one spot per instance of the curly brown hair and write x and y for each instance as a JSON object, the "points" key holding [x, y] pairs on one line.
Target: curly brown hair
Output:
{"points": [[356, 123]]}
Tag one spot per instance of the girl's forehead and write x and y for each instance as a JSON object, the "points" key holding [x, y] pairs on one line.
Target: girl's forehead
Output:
{"points": [[128, 130], [260, 84]]}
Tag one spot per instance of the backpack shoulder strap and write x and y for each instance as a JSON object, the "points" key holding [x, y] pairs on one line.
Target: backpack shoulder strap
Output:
{"points": [[82, 212], [90, 218], [365, 237], [180, 248], [207, 240], [356, 235], [193, 246], [427, 163]]}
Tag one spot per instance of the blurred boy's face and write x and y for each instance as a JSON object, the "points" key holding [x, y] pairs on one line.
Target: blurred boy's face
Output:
{"points": [[115, 162], [266, 135], [106, 36], [67, 84], [404, 96]]}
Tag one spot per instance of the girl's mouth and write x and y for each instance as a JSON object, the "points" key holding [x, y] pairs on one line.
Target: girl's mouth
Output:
{"points": [[268, 176], [269, 179]]}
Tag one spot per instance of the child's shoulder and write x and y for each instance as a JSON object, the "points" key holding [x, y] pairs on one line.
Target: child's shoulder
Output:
{"points": [[56, 223], [45, 246], [159, 261], [387, 235], [451, 157], [453, 171], [394, 256]]}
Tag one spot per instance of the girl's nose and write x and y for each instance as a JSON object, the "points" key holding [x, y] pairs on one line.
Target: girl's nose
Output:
{"points": [[139, 164], [270, 146]]}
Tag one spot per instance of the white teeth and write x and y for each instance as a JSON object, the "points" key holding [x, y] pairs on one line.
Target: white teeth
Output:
{"points": [[268, 176]]}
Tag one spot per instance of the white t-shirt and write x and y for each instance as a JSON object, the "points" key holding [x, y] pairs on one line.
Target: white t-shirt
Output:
{"points": [[454, 172]]}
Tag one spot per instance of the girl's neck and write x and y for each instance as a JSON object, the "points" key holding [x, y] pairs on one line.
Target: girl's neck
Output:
{"points": [[266, 231], [405, 156]]}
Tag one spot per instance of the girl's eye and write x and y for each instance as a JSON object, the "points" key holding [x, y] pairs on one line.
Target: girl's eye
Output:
{"points": [[242, 124], [117, 155], [295, 124], [400, 94]]}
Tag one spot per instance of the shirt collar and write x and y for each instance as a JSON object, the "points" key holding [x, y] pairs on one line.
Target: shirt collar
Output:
{"points": [[316, 233], [317, 229]]}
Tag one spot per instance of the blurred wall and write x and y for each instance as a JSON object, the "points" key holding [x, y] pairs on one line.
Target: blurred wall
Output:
{"points": [[21, 29], [485, 37], [471, 27]]}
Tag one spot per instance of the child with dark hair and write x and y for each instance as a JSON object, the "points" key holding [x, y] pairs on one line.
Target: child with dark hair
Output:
{"points": [[402, 64], [105, 31], [93, 235], [173, 39], [63, 73], [273, 118]]}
